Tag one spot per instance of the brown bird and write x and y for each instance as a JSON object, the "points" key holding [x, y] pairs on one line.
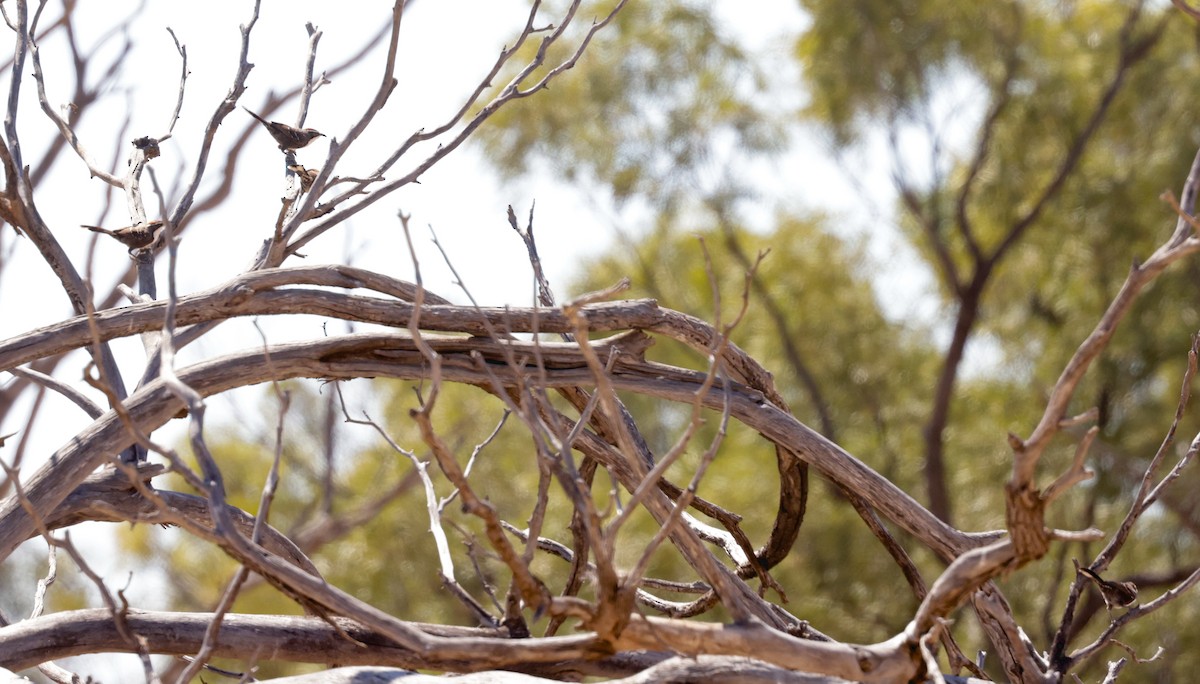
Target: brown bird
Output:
{"points": [[134, 237], [307, 176], [288, 137], [1115, 594]]}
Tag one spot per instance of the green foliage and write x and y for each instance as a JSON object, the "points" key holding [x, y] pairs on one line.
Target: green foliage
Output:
{"points": [[660, 93], [1045, 69], [867, 60]]}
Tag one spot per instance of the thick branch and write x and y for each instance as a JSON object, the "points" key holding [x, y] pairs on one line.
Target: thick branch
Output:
{"points": [[286, 638], [395, 355]]}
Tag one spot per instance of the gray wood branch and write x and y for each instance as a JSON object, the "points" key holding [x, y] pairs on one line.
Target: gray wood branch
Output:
{"points": [[395, 356]]}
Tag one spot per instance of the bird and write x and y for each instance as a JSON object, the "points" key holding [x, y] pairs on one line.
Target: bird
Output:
{"points": [[1115, 594], [137, 236], [288, 137], [307, 176]]}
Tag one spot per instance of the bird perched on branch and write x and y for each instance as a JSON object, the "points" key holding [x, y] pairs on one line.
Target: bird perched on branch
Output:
{"points": [[134, 237], [1115, 594], [288, 137]]}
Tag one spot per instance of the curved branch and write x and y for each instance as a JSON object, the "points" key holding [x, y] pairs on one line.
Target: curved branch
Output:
{"points": [[1181, 244], [291, 638], [109, 496], [395, 355]]}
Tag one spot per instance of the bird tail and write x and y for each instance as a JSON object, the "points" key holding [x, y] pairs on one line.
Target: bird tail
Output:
{"points": [[260, 119], [97, 229]]}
